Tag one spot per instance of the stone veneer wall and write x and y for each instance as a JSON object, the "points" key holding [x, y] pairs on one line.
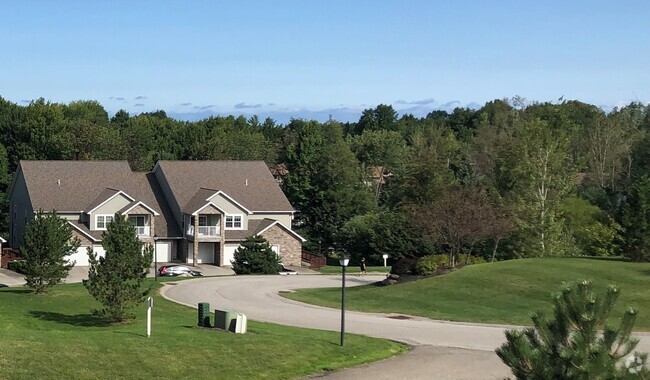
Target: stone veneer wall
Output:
{"points": [[84, 240], [290, 246]]}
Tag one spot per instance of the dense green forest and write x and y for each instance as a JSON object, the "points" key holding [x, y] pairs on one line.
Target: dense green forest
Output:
{"points": [[511, 179]]}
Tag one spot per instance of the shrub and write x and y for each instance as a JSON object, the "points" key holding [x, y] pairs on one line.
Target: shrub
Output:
{"points": [[426, 266], [462, 259], [255, 256], [404, 266], [16, 266], [440, 260]]}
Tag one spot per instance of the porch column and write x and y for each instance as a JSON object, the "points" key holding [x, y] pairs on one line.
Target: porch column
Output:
{"points": [[195, 254], [222, 243]]}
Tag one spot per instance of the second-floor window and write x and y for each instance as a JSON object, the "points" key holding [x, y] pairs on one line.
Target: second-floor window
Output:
{"points": [[139, 222], [102, 221], [234, 222]]}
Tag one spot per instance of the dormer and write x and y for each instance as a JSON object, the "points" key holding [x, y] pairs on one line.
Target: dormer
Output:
{"points": [[106, 205], [236, 215]]}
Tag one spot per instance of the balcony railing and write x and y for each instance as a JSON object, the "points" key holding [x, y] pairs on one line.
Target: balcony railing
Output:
{"points": [[142, 230], [205, 231]]}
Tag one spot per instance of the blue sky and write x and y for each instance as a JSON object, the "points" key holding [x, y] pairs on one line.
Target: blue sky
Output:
{"points": [[315, 58]]}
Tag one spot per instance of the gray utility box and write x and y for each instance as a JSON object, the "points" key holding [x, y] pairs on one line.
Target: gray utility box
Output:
{"points": [[231, 321]]}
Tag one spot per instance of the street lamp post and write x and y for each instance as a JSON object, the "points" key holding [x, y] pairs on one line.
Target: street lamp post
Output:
{"points": [[155, 258], [344, 261]]}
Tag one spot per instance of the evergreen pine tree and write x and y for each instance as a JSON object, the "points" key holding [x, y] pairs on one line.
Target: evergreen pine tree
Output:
{"points": [[255, 256], [578, 343], [117, 280], [48, 240]]}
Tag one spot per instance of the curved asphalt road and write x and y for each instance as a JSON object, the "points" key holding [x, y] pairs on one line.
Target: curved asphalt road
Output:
{"points": [[443, 350]]}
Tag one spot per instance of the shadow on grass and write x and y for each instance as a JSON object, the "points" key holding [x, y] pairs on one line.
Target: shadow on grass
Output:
{"points": [[604, 258], [83, 320], [15, 291]]}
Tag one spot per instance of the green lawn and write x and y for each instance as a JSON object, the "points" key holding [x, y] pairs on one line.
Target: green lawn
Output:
{"points": [[503, 292], [54, 336], [335, 269]]}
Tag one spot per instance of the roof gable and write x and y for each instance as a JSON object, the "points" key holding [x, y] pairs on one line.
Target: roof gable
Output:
{"points": [[109, 195], [249, 183]]}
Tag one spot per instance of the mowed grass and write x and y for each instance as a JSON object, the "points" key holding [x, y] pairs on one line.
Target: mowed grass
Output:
{"points": [[54, 336], [504, 292], [352, 270]]}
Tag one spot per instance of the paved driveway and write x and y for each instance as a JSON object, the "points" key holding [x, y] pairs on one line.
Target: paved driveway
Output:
{"points": [[443, 350]]}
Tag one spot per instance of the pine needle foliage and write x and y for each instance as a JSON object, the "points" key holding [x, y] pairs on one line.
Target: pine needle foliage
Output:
{"points": [[117, 280], [578, 343], [255, 256], [48, 240]]}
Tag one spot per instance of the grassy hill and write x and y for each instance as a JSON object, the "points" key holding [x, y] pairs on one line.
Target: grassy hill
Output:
{"points": [[503, 292], [54, 336]]}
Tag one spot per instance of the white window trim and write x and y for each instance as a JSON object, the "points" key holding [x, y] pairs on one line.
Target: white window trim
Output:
{"points": [[105, 224], [241, 227]]}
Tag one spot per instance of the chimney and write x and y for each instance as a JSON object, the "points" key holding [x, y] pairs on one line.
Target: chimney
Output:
{"points": [[58, 182], [246, 181]]}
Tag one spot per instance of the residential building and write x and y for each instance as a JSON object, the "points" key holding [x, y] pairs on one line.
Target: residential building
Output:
{"points": [[193, 211]]}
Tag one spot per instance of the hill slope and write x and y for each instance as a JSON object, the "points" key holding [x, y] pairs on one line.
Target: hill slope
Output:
{"points": [[503, 292]]}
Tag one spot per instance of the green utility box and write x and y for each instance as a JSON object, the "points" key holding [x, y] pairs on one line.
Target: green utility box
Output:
{"points": [[225, 319], [204, 314]]}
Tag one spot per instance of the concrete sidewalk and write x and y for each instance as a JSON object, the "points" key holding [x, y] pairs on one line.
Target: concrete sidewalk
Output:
{"points": [[10, 278]]}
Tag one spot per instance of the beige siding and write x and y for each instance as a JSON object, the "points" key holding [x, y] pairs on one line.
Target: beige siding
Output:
{"points": [[109, 208], [71, 217], [230, 208], [285, 219]]}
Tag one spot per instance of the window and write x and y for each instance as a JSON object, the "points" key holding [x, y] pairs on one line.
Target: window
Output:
{"points": [[203, 220], [137, 221], [233, 222], [103, 221]]}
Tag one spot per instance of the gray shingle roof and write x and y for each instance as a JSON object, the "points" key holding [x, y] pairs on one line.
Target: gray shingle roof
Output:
{"points": [[81, 185], [254, 227], [198, 200], [248, 182]]}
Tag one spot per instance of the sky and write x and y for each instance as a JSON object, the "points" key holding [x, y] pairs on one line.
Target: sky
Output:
{"points": [[316, 58]]}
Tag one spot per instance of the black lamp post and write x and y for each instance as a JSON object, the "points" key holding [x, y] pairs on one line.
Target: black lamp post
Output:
{"points": [[155, 258], [344, 261]]}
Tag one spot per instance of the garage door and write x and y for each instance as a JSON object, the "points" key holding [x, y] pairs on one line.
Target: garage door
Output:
{"points": [[163, 251], [205, 256], [229, 253], [81, 256], [206, 253]]}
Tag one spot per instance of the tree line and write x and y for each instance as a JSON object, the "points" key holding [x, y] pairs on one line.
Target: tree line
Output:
{"points": [[511, 179]]}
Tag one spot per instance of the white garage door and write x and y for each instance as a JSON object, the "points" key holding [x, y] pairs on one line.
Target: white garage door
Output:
{"points": [[81, 256], [163, 252], [229, 253]]}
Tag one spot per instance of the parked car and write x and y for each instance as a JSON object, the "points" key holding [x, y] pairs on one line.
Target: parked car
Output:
{"points": [[177, 270]]}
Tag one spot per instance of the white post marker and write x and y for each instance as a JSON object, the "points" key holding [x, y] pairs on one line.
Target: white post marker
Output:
{"points": [[149, 306], [385, 256]]}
